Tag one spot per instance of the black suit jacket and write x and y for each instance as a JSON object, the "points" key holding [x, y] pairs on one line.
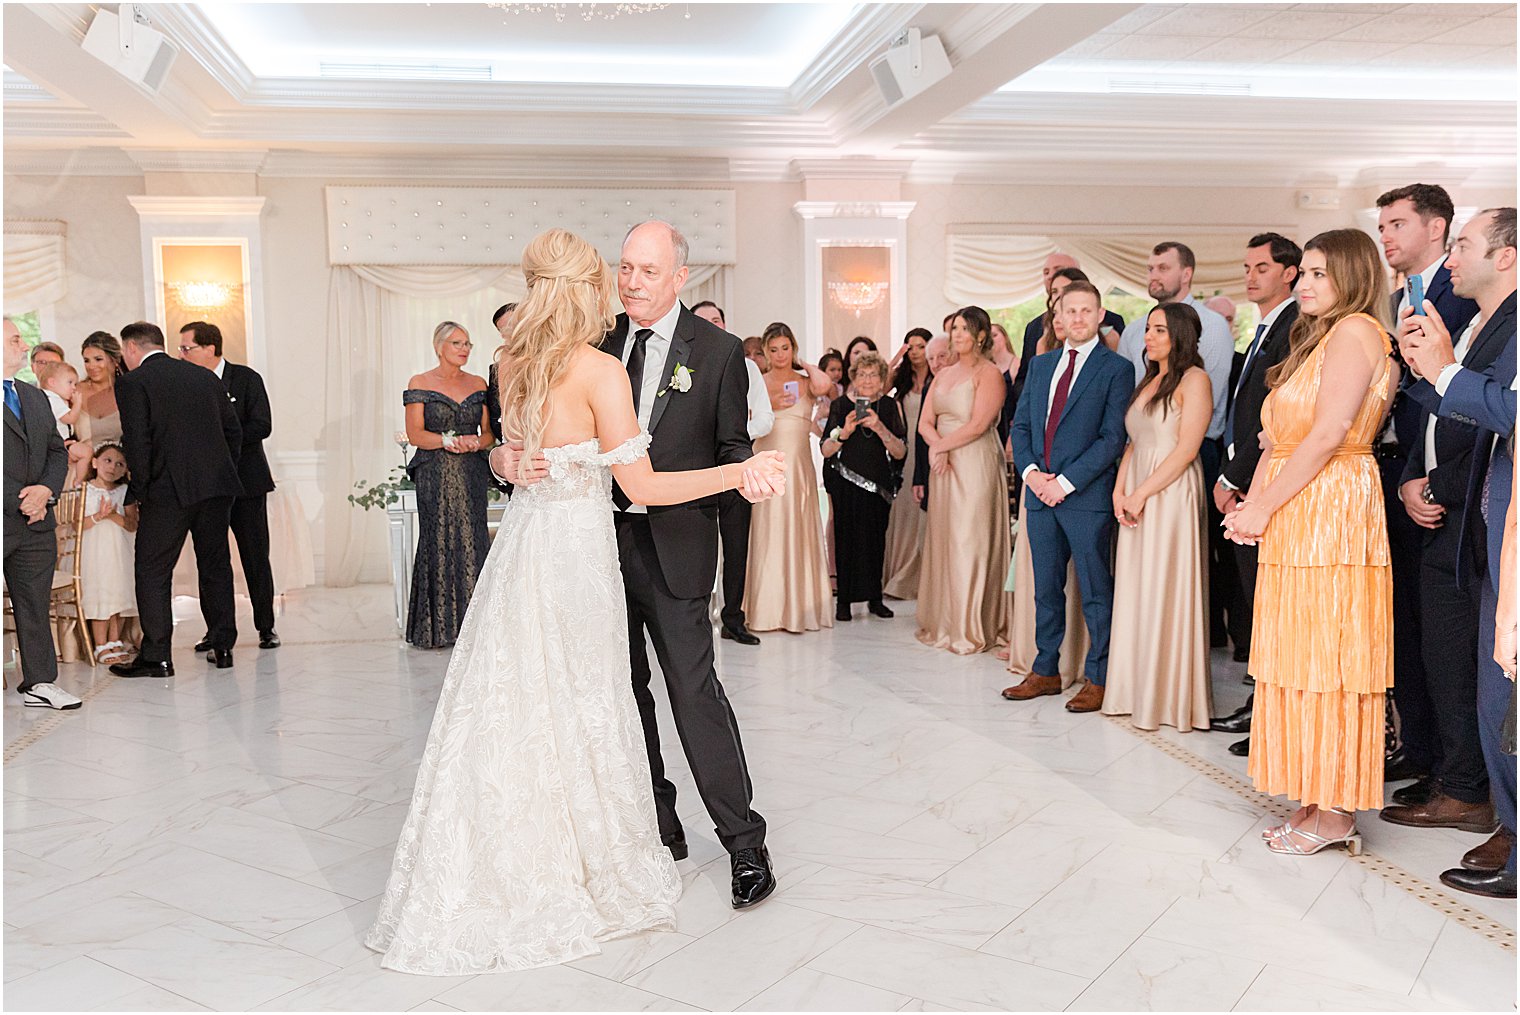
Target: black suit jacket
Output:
{"points": [[34, 454], [1455, 311], [180, 433], [493, 409], [1249, 397], [251, 404], [695, 429]]}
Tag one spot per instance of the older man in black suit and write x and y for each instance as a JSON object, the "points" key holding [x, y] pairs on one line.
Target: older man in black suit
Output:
{"points": [[35, 463], [182, 440], [201, 343]]}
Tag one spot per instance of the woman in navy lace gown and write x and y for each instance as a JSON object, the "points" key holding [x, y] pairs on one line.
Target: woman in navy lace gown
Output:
{"points": [[445, 420]]}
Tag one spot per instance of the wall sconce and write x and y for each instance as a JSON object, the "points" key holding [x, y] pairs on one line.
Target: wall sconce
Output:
{"points": [[202, 295], [858, 296]]}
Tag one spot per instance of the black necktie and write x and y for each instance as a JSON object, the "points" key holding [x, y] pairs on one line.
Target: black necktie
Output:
{"points": [[636, 364]]}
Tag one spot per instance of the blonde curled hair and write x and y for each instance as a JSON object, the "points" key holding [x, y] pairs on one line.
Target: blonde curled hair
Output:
{"points": [[569, 304]]}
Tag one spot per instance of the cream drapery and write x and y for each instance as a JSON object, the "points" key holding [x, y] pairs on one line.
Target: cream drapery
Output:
{"points": [[34, 265], [1003, 270]]}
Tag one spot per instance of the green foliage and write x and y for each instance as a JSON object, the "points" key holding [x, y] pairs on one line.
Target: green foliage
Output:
{"points": [[31, 330], [382, 494], [1016, 319]]}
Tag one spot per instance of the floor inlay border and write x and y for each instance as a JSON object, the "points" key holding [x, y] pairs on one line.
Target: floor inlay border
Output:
{"points": [[1478, 923], [48, 723]]}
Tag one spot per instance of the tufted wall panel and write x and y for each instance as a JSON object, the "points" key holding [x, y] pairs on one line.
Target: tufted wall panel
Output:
{"points": [[491, 225]]}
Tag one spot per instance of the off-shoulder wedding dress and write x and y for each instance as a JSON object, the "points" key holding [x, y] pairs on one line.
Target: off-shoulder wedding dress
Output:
{"points": [[532, 832]]}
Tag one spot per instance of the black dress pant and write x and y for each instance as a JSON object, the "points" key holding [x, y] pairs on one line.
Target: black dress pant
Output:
{"points": [[1411, 696], [1246, 558], [30, 558], [250, 527], [161, 532], [733, 534], [1229, 609], [683, 643], [1449, 646]]}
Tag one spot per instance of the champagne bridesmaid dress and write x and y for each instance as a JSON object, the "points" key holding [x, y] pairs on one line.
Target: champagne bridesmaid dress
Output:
{"points": [[905, 527], [961, 603], [787, 586], [1322, 647], [1161, 590], [1021, 645]]}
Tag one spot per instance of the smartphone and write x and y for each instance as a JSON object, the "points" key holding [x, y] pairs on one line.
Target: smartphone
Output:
{"points": [[792, 387], [1416, 286], [861, 405]]}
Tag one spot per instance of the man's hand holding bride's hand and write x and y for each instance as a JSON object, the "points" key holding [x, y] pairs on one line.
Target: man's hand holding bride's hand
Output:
{"points": [[506, 462], [764, 477]]}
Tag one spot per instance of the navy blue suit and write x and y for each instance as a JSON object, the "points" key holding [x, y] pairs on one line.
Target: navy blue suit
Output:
{"points": [[1089, 440], [1406, 540], [1487, 400]]}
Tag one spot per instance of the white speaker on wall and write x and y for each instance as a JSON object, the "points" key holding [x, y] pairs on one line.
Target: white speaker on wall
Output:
{"points": [[912, 62], [125, 42]]}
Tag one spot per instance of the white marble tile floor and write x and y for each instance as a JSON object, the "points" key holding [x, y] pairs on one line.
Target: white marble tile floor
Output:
{"points": [[220, 840]]}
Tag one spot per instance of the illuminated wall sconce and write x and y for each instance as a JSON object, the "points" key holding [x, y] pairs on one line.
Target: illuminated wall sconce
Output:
{"points": [[202, 295], [858, 296]]}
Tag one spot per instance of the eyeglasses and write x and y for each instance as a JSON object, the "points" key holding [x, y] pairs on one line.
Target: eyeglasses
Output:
{"points": [[186, 350], [461, 345]]}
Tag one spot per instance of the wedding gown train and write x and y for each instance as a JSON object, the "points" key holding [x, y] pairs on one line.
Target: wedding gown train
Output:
{"points": [[532, 835]]}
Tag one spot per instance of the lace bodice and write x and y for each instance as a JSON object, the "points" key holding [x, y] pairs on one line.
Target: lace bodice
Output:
{"points": [[582, 471]]}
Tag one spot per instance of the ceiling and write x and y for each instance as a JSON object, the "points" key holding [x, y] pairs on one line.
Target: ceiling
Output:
{"points": [[1330, 94]]}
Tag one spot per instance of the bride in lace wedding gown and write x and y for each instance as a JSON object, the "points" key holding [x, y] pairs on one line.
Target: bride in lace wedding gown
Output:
{"points": [[532, 834]]}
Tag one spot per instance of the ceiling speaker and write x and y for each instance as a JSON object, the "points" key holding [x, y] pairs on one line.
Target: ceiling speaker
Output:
{"points": [[125, 43], [911, 63]]}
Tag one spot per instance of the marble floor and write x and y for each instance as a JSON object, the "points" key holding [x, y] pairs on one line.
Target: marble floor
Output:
{"points": [[220, 841]]}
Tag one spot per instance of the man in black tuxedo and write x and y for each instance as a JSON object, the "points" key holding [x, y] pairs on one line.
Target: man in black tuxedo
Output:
{"points": [[503, 320], [201, 343], [35, 464], [182, 440], [689, 391], [1271, 267], [1413, 225]]}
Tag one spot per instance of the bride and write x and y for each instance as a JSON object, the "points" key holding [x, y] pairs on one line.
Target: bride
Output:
{"points": [[532, 833]]}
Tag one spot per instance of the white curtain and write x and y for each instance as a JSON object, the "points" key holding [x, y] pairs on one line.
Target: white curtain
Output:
{"points": [[1004, 270], [34, 266]]}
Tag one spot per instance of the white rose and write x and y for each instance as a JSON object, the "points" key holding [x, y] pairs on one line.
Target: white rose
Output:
{"points": [[681, 378]]}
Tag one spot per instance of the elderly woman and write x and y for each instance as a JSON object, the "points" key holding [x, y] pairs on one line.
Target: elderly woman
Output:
{"points": [[446, 417], [864, 435]]}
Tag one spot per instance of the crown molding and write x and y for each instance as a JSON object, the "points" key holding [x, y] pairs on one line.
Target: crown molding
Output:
{"points": [[853, 209], [852, 167], [21, 89], [968, 33], [182, 207], [198, 39], [56, 121], [68, 162], [862, 38], [505, 166], [190, 160]]}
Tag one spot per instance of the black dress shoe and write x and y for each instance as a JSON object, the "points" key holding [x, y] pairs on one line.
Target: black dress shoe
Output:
{"points": [[220, 657], [1399, 766], [753, 879], [1238, 721], [739, 634], [1418, 792], [1241, 748], [677, 846], [1242, 655], [1491, 884], [204, 645], [842, 613], [141, 667], [880, 609], [268, 639]]}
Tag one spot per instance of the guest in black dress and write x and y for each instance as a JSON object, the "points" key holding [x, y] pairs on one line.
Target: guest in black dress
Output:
{"points": [[446, 417], [863, 436]]}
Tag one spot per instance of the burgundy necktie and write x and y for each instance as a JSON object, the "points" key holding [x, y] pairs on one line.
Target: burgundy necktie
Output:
{"points": [[1063, 389]]}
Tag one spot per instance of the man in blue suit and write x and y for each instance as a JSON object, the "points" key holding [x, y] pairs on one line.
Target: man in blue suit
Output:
{"points": [[1484, 400], [1068, 434], [1414, 224]]}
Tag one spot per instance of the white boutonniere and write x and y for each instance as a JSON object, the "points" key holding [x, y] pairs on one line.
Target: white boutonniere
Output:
{"points": [[680, 380]]}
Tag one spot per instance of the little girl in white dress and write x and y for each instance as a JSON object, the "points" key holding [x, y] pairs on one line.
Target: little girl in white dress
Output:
{"points": [[106, 553]]}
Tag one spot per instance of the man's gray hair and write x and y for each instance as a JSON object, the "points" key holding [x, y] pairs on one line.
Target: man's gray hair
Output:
{"points": [[677, 240]]}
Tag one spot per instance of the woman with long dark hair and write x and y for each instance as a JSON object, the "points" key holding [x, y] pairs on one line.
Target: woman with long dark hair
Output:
{"points": [[1322, 651], [905, 527], [1161, 572], [101, 420]]}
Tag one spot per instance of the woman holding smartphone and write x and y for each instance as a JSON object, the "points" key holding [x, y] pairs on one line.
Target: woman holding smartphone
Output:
{"points": [[787, 587]]}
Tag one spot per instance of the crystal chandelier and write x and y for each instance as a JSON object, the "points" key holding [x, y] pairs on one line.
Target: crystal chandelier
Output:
{"points": [[202, 295], [858, 296], [587, 12]]}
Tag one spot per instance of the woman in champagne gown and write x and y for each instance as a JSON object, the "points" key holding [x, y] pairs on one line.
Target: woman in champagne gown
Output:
{"points": [[1322, 651], [1161, 575], [101, 420], [532, 836], [906, 523], [961, 603], [787, 586]]}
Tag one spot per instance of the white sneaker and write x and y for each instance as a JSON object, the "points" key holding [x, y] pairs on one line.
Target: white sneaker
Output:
{"points": [[49, 696]]}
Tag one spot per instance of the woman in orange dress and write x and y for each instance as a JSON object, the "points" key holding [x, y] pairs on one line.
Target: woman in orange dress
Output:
{"points": [[1323, 648]]}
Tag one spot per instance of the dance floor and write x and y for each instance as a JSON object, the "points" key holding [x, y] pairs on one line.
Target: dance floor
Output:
{"points": [[221, 840]]}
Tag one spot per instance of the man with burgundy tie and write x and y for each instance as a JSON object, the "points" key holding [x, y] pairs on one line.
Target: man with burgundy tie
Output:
{"points": [[1068, 434]]}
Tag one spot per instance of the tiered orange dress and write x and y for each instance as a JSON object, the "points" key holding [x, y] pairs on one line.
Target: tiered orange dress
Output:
{"points": [[1322, 647]]}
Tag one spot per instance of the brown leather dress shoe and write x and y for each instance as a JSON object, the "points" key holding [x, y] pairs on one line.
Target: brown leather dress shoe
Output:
{"points": [[1492, 855], [1033, 686], [1443, 812], [1088, 699]]}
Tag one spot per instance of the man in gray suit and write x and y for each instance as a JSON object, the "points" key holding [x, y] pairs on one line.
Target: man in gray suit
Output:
{"points": [[35, 464]]}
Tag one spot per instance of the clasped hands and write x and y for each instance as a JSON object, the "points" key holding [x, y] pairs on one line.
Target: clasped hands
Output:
{"points": [[763, 478], [34, 502], [1424, 342], [1045, 486], [1247, 523]]}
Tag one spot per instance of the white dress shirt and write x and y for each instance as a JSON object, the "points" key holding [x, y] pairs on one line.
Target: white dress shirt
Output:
{"points": [[761, 416], [220, 368], [1216, 345], [1443, 381], [1084, 353], [656, 348]]}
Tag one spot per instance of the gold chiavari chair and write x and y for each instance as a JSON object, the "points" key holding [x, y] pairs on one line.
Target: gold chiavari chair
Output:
{"points": [[68, 588]]}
